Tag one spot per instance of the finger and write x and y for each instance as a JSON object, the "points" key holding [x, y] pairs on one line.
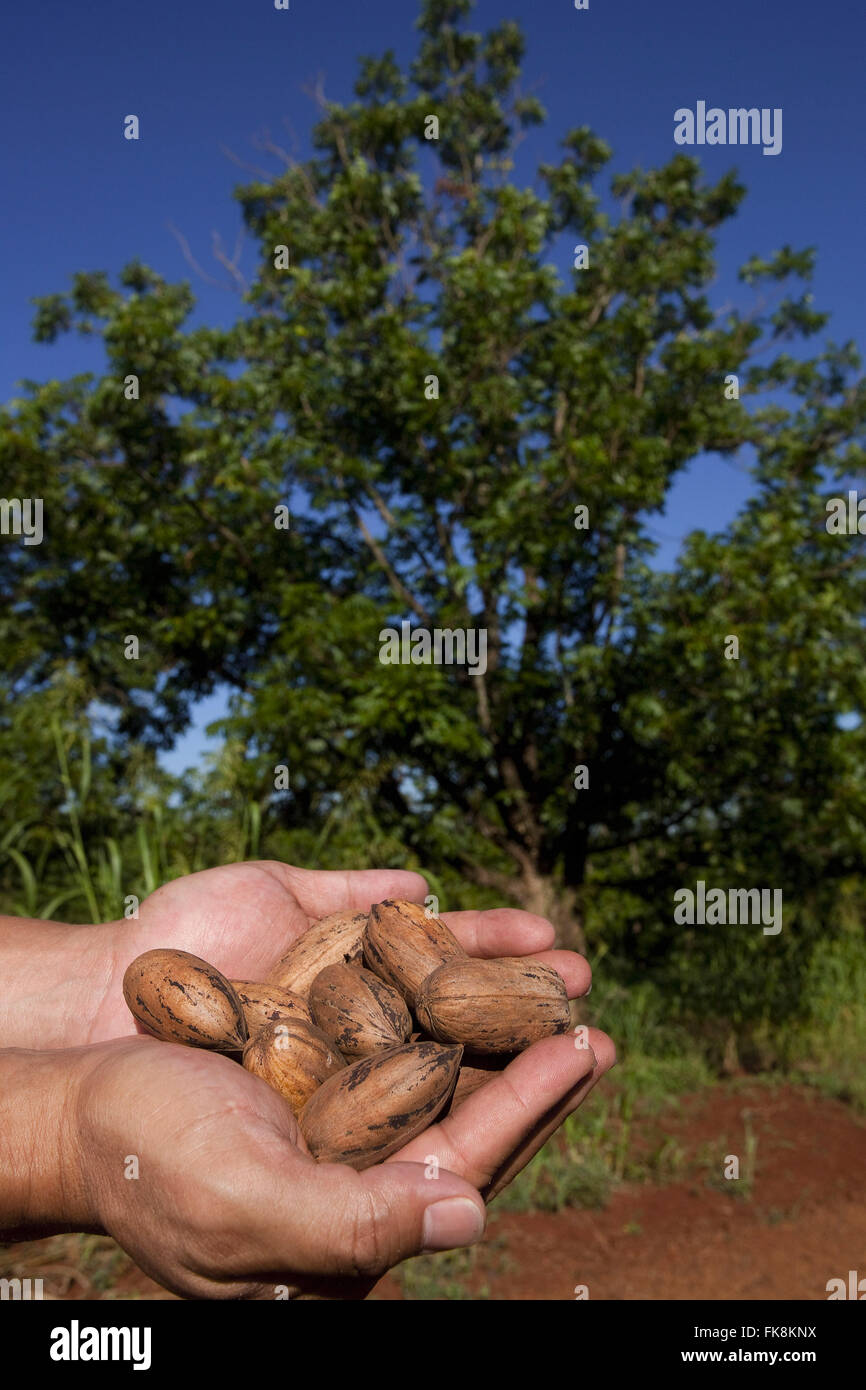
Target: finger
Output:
{"points": [[501, 931], [551, 1121], [332, 1221], [509, 932], [481, 1135], [574, 969], [323, 891]]}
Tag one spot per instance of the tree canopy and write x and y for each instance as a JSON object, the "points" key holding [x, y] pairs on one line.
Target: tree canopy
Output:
{"points": [[432, 380]]}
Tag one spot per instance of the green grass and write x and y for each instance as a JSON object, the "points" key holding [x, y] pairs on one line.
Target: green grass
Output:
{"points": [[55, 867], [439, 1277], [445, 1277], [829, 1050], [559, 1176], [740, 1188]]}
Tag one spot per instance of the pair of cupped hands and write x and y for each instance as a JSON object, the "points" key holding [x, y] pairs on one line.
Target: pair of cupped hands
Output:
{"points": [[227, 1202]]}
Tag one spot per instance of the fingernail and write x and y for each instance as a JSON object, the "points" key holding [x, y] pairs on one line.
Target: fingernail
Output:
{"points": [[453, 1221], [588, 989]]}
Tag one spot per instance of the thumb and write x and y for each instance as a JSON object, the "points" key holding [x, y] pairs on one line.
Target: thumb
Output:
{"points": [[349, 1223]]}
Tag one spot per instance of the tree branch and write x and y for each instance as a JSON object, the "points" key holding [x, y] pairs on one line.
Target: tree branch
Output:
{"points": [[397, 585]]}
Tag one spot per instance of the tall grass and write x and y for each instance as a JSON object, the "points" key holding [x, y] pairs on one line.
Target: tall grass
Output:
{"points": [[829, 1049], [57, 867]]}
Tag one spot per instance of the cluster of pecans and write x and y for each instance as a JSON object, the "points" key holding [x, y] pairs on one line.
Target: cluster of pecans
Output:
{"points": [[362, 1026]]}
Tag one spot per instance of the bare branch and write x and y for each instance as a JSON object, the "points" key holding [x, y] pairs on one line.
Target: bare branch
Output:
{"points": [[265, 174], [485, 877], [317, 93], [639, 377], [394, 579], [230, 265], [191, 261], [264, 142], [600, 305]]}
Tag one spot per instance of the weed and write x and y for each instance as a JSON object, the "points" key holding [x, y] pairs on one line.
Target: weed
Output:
{"points": [[440, 1277]]}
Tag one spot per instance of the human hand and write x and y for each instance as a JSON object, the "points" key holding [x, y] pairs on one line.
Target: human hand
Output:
{"points": [[62, 984], [243, 917], [226, 1201]]}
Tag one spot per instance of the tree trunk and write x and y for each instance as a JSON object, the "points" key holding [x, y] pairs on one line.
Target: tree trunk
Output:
{"points": [[560, 905]]}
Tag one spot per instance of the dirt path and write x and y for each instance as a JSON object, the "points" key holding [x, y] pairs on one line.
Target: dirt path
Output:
{"points": [[795, 1218]]}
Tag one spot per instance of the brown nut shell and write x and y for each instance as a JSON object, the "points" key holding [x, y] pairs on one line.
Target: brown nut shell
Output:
{"points": [[264, 1003], [359, 1011], [475, 1074], [378, 1104], [333, 940], [403, 944], [180, 998], [294, 1057], [493, 1006]]}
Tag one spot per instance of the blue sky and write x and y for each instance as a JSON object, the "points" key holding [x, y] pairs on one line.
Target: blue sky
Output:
{"points": [[203, 77]]}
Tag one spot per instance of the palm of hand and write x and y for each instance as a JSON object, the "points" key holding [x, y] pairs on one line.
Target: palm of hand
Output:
{"points": [[220, 1168], [240, 917]]}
